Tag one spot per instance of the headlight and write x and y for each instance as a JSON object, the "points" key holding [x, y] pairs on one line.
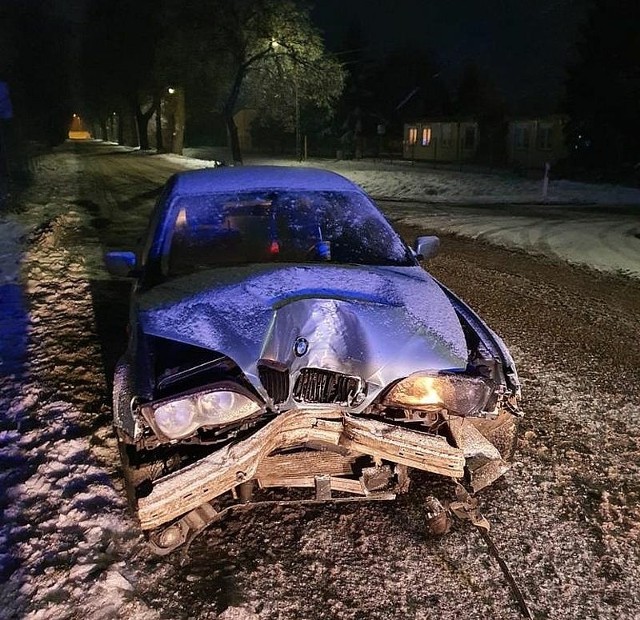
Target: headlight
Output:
{"points": [[178, 418], [458, 394], [224, 407]]}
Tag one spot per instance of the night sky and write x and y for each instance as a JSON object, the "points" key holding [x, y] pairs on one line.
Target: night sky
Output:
{"points": [[523, 44]]}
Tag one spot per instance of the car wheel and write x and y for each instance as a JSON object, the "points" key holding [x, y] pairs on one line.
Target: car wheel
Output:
{"points": [[502, 432], [138, 477]]}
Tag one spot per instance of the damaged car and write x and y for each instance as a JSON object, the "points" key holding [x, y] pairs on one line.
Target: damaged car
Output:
{"points": [[283, 339]]}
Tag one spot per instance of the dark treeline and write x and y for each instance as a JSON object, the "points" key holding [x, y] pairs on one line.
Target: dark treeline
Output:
{"points": [[603, 90]]}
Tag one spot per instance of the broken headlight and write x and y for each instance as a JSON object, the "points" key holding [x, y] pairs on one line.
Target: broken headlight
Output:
{"points": [[458, 394], [179, 417]]}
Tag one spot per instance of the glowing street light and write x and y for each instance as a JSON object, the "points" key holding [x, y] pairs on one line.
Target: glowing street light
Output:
{"points": [[274, 46]]}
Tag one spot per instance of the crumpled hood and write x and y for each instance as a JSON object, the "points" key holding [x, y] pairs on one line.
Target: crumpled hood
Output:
{"points": [[379, 323]]}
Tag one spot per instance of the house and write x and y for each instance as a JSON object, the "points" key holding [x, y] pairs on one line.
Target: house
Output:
{"points": [[77, 130], [531, 143], [444, 140]]}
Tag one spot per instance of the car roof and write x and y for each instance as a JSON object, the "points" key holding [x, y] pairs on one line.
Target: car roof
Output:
{"points": [[223, 179]]}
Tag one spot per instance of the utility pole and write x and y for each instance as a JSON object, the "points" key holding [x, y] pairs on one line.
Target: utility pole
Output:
{"points": [[297, 111]]}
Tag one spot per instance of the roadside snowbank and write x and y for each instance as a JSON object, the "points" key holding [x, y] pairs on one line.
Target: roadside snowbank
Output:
{"points": [[403, 180], [68, 547]]}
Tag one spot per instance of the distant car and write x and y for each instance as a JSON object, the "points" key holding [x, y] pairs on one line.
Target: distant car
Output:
{"points": [[283, 335]]}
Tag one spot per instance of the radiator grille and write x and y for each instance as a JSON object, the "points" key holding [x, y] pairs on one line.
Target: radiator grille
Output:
{"points": [[323, 386], [275, 378]]}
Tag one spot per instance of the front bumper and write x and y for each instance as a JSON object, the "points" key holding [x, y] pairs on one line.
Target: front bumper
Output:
{"points": [[336, 440]]}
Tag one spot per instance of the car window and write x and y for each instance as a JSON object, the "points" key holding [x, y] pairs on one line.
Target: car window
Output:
{"points": [[152, 227], [280, 226]]}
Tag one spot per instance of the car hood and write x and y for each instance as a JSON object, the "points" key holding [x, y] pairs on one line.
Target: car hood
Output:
{"points": [[377, 323]]}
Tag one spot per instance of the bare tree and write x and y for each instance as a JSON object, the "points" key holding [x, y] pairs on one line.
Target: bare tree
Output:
{"points": [[274, 44], [119, 59]]}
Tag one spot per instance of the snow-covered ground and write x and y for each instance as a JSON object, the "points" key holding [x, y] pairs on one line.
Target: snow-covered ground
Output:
{"points": [[64, 529], [595, 225], [405, 180]]}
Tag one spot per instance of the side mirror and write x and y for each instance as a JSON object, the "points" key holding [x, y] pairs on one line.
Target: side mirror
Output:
{"points": [[426, 247], [121, 264]]}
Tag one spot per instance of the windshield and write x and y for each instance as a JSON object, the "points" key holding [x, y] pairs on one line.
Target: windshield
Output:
{"points": [[280, 226]]}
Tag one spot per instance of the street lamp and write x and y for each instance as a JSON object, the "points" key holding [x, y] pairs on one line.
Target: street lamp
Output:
{"points": [[297, 105], [275, 45]]}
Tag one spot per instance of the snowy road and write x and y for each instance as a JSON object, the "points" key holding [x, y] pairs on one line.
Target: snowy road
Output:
{"points": [[566, 518], [602, 237]]}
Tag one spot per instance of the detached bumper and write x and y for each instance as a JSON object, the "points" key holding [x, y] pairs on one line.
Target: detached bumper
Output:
{"points": [[342, 435]]}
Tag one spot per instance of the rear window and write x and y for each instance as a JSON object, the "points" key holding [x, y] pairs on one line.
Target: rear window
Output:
{"points": [[280, 226]]}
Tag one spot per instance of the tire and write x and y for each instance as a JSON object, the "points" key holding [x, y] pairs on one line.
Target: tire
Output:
{"points": [[138, 477]]}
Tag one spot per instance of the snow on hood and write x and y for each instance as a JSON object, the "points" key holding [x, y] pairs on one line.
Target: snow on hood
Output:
{"points": [[359, 320]]}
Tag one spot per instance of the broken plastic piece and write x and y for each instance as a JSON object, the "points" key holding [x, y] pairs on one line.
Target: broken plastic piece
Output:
{"points": [[466, 508], [376, 478], [483, 460], [323, 487], [438, 520]]}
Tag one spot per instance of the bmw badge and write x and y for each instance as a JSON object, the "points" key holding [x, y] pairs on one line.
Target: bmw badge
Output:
{"points": [[300, 346]]}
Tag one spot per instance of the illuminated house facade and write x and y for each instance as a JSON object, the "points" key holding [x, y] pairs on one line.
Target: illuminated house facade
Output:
{"points": [[445, 141], [525, 142], [78, 131]]}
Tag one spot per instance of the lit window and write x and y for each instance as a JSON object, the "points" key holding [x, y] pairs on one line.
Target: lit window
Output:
{"points": [[426, 136], [413, 135], [544, 138], [447, 135], [522, 136]]}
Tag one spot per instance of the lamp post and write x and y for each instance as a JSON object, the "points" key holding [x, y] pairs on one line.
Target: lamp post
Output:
{"points": [[296, 98], [297, 111]]}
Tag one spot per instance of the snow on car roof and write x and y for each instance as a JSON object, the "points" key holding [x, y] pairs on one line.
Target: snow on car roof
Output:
{"points": [[224, 179]]}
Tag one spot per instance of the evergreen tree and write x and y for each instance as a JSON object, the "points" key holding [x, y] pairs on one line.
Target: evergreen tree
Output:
{"points": [[603, 88], [478, 99]]}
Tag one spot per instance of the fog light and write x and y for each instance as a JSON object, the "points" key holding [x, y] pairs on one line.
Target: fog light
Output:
{"points": [[171, 537]]}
